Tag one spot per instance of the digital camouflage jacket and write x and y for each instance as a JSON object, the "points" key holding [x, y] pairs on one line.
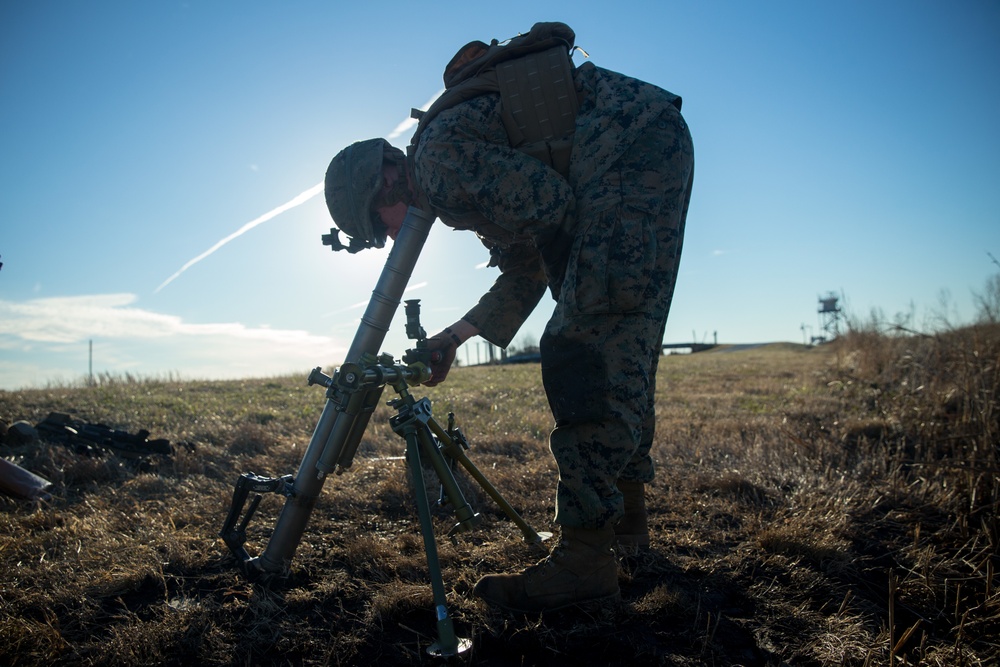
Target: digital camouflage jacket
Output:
{"points": [[524, 211]]}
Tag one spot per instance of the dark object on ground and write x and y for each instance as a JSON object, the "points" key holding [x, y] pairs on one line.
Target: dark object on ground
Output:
{"points": [[84, 438], [20, 483], [20, 433]]}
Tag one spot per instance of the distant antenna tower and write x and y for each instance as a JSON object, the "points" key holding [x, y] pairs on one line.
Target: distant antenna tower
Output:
{"points": [[829, 317]]}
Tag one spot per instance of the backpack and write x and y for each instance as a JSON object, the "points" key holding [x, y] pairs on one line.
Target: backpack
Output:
{"points": [[533, 73]]}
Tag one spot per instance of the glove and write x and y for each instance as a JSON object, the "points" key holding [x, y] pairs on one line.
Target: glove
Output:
{"points": [[446, 346]]}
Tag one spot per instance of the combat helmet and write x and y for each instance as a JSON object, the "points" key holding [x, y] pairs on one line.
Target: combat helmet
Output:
{"points": [[353, 181]]}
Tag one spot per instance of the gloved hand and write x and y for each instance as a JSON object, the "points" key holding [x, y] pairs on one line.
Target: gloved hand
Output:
{"points": [[446, 347]]}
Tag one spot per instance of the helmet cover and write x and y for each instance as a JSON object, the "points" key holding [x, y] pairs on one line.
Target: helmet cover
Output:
{"points": [[353, 181]]}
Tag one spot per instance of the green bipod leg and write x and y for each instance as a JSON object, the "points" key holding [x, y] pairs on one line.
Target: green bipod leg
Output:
{"points": [[448, 642]]}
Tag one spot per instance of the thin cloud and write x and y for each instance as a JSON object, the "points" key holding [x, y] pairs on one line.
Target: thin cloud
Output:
{"points": [[296, 201], [46, 339], [65, 320]]}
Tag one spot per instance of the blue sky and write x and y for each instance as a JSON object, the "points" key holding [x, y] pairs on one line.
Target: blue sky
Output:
{"points": [[840, 146]]}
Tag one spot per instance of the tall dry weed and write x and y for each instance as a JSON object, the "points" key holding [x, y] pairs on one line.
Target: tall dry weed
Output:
{"points": [[929, 413]]}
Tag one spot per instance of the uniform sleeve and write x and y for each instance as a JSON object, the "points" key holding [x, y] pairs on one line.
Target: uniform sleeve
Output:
{"points": [[469, 174], [472, 179], [515, 293]]}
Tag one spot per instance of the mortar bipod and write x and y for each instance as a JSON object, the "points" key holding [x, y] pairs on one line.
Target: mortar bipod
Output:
{"points": [[427, 440]]}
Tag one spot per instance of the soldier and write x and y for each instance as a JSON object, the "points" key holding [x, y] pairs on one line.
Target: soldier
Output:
{"points": [[604, 238]]}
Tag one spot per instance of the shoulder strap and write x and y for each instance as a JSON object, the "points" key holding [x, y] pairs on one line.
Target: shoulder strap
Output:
{"points": [[486, 83]]}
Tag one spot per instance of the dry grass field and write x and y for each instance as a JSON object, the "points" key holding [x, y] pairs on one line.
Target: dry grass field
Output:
{"points": [[813, 506]]}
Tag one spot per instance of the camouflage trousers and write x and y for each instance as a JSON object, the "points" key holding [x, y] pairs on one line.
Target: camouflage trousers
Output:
{"points": [[601, 347]]}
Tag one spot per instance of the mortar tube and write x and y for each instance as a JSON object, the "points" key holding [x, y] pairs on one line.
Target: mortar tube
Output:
{"points": [[334, 427]]}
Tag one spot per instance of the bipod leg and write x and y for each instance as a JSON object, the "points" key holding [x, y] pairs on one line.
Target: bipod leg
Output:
{"points": [[448, 644], [234, 530], [419, 412], [456, 452], [442, 498]]}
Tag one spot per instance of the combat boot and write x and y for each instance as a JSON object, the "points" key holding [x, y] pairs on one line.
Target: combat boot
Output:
{"points": [[632, 530], [581, 568]]}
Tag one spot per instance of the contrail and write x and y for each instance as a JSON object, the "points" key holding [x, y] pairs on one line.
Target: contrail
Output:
{"points": [[297, 201], [301, 199]]}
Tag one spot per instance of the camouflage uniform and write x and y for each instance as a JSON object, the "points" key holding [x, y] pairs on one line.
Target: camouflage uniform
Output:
{"points": [[606, 242]]}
